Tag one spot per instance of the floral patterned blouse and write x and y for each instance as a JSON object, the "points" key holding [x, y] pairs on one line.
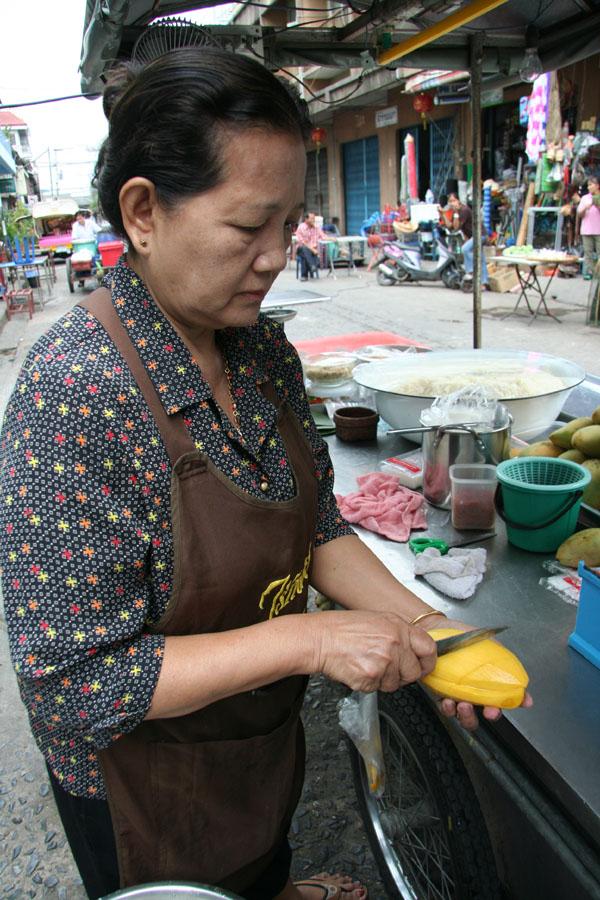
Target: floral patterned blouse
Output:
{"points": [[86, 548]]}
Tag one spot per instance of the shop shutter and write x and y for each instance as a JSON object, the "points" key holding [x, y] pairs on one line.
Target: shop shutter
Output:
{"points": [[361, 181], [441, 162], [316, 191]]}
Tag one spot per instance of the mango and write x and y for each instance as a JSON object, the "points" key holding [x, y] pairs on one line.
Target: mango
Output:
{"points": [[541, 448], [596, 416], [574, 455], [591, 494], [485, 673], [562, 436], [587, 440], [583, 545]]}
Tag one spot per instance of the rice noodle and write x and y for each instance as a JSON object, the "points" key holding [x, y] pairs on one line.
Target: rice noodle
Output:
{"points": [[505, 383]]}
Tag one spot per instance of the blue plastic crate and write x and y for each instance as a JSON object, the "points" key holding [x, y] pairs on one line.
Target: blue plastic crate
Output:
{"points": [[586, 637]]}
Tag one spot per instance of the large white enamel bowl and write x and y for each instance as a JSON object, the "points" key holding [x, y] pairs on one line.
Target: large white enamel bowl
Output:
{"points": [[531, 414]]}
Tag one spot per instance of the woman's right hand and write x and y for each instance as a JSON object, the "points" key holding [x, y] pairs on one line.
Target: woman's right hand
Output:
{"points": [[371, 651]]}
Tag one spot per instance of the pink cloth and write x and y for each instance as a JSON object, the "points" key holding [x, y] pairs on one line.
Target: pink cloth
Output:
{"points": [[590, 215], [384, 506]]}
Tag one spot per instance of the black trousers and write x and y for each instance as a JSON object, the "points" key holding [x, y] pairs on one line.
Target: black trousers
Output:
{"points": [[309, 261], [88, 827]]}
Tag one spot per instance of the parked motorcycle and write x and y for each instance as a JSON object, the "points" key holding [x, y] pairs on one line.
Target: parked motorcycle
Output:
{"points": [[427, 259]]}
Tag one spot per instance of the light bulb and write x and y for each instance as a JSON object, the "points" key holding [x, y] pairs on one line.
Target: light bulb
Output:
{"points": [[531, 67]]}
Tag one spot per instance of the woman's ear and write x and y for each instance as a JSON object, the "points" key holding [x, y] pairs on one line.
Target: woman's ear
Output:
{"points": [[138, 202]]}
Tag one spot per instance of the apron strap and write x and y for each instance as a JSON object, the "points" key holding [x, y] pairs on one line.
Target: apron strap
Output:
{"points": [[175, 435]]}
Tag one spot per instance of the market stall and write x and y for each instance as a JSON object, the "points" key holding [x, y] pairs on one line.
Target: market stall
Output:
{"points": [[441, 827]]}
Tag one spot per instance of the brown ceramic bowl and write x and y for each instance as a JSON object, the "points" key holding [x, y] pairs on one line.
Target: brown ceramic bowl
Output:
{"points": [[355, 423]]}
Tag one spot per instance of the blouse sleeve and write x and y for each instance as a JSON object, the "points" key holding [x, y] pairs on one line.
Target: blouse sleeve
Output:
{"points": [[73, 554]]}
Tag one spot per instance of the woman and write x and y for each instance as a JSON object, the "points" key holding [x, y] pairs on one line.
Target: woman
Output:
{"points": [[588, 225], [166, 499]]}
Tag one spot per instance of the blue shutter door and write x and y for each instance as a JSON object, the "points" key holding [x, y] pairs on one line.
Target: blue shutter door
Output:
{"points": [[441, 155], [361, 181]]}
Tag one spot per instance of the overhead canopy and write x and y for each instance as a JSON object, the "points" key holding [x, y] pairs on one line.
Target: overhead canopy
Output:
{"points": [[569, 30]]}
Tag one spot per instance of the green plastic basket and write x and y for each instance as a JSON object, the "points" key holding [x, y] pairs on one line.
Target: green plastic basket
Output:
{"points": [[539, 498]]}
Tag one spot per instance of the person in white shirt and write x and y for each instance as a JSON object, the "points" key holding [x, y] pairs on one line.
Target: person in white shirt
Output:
{"points": [[83, 229]]}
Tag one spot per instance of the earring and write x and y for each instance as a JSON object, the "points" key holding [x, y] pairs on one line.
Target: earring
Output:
{"points": [[143, 243]]}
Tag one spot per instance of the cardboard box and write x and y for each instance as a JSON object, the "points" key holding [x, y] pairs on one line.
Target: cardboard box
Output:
{"points": [[503, 280]]}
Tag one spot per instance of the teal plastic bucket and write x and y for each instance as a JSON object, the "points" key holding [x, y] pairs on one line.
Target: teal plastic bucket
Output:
{"points": [[539, 498]]}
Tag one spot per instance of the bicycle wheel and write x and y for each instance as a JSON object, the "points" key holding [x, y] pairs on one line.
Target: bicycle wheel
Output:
{"points": [[427, 832]]}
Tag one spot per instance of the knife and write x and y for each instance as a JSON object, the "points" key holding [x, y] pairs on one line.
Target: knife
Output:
{"points": [[447, 645]]}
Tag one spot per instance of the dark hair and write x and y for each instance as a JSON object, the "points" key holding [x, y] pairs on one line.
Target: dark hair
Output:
{"points": [[593, 178], [165, 120]]}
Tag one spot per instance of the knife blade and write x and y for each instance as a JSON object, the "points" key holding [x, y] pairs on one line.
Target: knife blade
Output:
{"points": [[447, 645]]}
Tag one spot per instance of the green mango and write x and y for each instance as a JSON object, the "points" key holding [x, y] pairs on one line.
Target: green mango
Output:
{"points": [[574, 455], [583, 545], [596, 416], [591, 494], [587, 440], [562, 436]]}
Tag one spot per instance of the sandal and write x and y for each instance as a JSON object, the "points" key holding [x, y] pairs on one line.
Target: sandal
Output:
{"points": [[330, 890]]}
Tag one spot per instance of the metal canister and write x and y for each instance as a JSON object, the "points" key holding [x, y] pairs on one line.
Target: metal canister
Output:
{"points": [[447, 445]]}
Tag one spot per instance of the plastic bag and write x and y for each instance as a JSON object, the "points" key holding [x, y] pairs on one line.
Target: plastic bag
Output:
{"points": [[473, 403], [359, 717]]}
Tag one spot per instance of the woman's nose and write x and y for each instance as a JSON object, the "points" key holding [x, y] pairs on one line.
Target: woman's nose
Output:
{"points": [[272, 260]]}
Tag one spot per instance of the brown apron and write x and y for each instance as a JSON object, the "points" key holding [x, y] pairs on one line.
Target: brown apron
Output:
{"points": [[208, 797]]}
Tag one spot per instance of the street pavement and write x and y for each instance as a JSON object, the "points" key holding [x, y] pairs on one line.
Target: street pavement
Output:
{"points": [[34, 858]]}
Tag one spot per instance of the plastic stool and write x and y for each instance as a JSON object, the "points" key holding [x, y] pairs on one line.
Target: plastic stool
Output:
{"points": [[19, 301], [311, 274]]}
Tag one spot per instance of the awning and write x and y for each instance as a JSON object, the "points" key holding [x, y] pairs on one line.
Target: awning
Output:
{"points": [[7, 164]]}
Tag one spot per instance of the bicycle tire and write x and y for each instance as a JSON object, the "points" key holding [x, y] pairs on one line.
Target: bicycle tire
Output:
{"points": [[427, 834]]}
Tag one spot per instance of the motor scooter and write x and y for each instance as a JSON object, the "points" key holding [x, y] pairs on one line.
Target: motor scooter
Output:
{"points": [[427, 259]]}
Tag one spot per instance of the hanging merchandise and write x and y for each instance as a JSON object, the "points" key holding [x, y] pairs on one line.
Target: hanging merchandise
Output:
{"points": [[487, 208], [538, 112], [523, 110], [411, 163]]}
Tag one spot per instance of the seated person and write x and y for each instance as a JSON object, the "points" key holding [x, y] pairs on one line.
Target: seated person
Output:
{"points": [[308, 235], [332, 227], [462, 219]]}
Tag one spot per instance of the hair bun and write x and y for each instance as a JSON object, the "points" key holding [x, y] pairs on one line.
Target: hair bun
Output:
{"points": [[118, 81]]}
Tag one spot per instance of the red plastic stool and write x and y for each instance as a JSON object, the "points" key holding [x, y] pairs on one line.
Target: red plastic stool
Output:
{"points": [[19, 301]]}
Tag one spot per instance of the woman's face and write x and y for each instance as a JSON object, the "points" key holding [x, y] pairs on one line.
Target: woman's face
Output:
{"points": [[211, 260], [593, 187]]}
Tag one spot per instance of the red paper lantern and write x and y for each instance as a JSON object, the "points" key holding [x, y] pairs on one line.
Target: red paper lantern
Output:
{"points": [[318, 136], [423, 103]]}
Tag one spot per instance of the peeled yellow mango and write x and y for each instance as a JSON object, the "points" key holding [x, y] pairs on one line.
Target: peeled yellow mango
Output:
{"points": [[485, 673], [541, 448], [562, 436], [583, 545]]}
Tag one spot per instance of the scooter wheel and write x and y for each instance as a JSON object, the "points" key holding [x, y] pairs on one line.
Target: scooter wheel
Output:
{"points": [[451, 278], [384, 280]]}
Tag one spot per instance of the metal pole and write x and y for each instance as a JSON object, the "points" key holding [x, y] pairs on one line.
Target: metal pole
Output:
{"points": [[50, 173], [476, 53]]}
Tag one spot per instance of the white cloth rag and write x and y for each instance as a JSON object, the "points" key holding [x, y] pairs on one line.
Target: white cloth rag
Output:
{"points": [[457, 574]]}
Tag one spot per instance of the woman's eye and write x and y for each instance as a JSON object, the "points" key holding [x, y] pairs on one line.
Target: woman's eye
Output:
{"points": [[249, 229]]}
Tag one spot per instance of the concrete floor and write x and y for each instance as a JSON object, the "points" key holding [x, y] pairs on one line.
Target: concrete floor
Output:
{"points": [[34, 860]]}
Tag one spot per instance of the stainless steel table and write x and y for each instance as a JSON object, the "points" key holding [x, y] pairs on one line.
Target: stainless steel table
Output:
{"points": [[546, 758]]}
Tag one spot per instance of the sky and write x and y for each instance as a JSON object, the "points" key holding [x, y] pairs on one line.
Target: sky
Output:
{"points": [[39, 59]]}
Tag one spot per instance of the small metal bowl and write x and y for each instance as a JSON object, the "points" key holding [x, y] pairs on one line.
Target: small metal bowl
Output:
{"points": [[355, 423], [278, 314]]}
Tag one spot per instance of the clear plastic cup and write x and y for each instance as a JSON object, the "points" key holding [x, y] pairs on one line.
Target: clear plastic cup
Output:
{"points": [[473, 488]]}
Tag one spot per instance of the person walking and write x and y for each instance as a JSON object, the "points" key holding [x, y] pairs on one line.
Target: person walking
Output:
{"points": [[588, 222]]}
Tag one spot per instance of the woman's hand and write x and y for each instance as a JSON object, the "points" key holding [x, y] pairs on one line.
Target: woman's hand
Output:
{"points": [[371, 651], [460, 709]]}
